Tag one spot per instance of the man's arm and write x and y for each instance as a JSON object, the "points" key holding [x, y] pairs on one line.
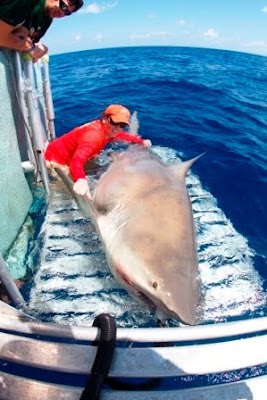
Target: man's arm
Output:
{"points": [[37, 50], [81, 155], [84, 152], [127, 137], [91, 143], [12, 40]]}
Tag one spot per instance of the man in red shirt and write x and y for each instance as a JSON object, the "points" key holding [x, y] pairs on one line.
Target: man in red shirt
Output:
{"points": [[84, 142]]}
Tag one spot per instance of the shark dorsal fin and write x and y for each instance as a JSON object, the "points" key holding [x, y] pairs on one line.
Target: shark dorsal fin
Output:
{"points": [[180, 170]]}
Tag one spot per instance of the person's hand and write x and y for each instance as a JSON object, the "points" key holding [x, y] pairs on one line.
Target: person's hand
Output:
{"points": [[81, 187], [21, 38], [20, 33], [38, 51], [147, 143]]}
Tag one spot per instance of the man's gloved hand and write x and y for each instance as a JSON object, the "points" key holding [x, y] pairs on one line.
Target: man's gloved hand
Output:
{"points": [[81, 187], [147, 143]]}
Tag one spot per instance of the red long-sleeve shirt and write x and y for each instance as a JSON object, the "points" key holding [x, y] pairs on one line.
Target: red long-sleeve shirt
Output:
{"points": [[82, 143]]}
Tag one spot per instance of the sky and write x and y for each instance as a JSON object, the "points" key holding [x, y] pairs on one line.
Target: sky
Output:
{"points": [[238, 25]]}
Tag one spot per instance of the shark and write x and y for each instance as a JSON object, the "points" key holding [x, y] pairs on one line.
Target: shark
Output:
{"points": [[143, 214]]}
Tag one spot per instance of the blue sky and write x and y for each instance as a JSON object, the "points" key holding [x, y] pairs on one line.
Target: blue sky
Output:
{"points": [[239, 25]]}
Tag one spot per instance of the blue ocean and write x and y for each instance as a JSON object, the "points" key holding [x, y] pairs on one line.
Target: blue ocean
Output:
{"points": [[186, 101], [191, 100]]}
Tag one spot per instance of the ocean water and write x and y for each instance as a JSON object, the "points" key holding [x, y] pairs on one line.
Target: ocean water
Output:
{"points": [[188, 101]]}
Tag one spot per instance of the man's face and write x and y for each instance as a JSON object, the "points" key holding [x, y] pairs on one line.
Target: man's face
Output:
{"points": [[59, 8], [114, 128]]}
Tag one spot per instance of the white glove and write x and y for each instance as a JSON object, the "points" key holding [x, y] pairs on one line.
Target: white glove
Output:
{"points": [[147, 143], [81, 187]]}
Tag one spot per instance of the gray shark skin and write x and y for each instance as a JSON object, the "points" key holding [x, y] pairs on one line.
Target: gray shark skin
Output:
{"points": [[143, 214]]}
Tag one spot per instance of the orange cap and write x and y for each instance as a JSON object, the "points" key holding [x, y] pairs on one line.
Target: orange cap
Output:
{"points": [[118, 113]]}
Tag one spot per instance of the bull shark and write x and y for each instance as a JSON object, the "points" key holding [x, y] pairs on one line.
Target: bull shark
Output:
{"points": [[142, 212]]}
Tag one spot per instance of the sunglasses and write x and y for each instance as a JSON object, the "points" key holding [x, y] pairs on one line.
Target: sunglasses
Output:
{"points": [[120, 124], [63, 6]]}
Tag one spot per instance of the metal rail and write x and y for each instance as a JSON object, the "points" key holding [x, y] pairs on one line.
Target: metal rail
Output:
{"points": [[16, 321]]}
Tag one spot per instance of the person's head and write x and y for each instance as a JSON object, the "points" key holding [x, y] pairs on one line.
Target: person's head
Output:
{"points": [[62, 8], [116, 117]]}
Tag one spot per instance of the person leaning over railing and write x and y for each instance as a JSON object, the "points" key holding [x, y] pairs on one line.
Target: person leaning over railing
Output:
{"points": [[71, 151], [42, 17], [25, 26]]}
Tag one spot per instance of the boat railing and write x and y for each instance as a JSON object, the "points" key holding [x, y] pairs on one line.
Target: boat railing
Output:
{"points": [[175, 355], [35, 104]]}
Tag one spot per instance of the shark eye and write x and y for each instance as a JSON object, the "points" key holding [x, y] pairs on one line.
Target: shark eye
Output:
{"points": [[155, 285]]}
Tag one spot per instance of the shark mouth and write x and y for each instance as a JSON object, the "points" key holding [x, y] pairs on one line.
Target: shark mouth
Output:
{"points": [[153, 306], [142, 297], [145, 299]]}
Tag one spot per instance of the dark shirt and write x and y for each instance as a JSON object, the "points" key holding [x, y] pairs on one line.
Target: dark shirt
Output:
{"points": [[15, 12], [37, 22]]}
